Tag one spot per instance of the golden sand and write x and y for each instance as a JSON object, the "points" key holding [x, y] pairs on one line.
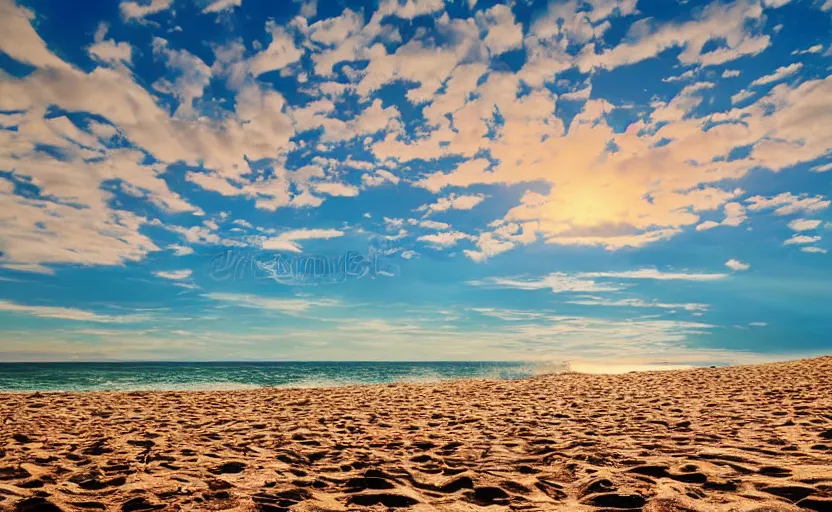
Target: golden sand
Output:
{"points": [[727, 439]]}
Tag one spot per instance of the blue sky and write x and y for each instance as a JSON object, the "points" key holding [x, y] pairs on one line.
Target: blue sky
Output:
{"points": [[604, 180]]}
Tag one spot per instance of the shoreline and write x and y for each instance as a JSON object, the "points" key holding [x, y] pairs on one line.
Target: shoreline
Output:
{"points": [[238, 387]]}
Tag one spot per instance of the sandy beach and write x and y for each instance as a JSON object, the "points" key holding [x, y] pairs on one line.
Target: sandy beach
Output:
{"points": [[746, 438]]}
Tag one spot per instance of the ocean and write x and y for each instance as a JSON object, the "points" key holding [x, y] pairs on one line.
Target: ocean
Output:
{"points": [[165, 376]]}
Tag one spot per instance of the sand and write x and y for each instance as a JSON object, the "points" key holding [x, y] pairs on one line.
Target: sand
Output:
{"points": [[726, 439]]}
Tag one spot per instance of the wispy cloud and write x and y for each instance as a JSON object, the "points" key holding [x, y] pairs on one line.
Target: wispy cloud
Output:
{"points": [[63, 313], [737, 265], [174, 275], [292, 306], [288, 241], [639, 303]]}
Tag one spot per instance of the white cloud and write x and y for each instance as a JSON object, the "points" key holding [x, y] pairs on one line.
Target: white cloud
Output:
{"points": [[180, 250], [503, 34], [804, 224], [293, 306], [788, 203], [287, 241], [558, 282], [174, 275], [734, 216], [510, 315], [131, 10], [781, 73], [428, 224], [638, 303], [280, 53], [741, 96], [728, 22], [410, 8], [221, 5], [444, 239], [652, 273], [108, 51], [812, 49], [737, 265], [452, 202], [801, 240], [62, 313], [192, 75], [822, 168], [730, 73], [816, 250]]}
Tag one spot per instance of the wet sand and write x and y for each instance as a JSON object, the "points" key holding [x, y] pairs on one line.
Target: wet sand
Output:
{"points": [[726, 439]]}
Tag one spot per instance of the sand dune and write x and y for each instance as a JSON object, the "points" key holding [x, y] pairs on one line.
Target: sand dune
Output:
{"points": [[727, 439]]}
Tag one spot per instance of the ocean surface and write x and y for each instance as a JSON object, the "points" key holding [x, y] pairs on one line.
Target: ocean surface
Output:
{"points": [[241, 375]]}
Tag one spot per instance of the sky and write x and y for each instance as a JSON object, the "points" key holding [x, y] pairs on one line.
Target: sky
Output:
{"points": [[642, 181]]}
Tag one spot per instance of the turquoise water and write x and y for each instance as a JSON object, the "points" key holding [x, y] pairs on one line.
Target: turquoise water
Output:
{"points": [[203, 376]]}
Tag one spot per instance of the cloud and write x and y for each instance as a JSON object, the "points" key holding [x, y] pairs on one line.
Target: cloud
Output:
{"points": [[734, 216], [192, 76], [452, 202], [489, 245], [503, 34], [801, 240], [728, 22], [812, 49], [558, 282], [444, 239], [221, 5], [294, 306], [780, 74], [737, 265], [287, 241], [174, 275], [131, 10], [638, 303], [788, 203], [816, 250], [652, 273], [62, 313], [410, 8], [804, 224], [280, 53], [108, 51]]}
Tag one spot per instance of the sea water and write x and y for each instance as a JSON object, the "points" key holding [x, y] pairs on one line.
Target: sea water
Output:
{"points": [[135, 376]]}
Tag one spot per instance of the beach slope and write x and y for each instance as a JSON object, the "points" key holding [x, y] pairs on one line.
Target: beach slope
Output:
{"points": [[710, 439]]}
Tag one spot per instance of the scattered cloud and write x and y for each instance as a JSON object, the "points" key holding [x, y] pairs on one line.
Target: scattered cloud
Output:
{"points": [[804, 224], [444, 239], [287, 241], [638, 303], [452, 202], [780, 74], [133, 10], [737, 265], [293, 306], [181, 250], [788, 203], [62, 313], [801, 240], [174, 275]]}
